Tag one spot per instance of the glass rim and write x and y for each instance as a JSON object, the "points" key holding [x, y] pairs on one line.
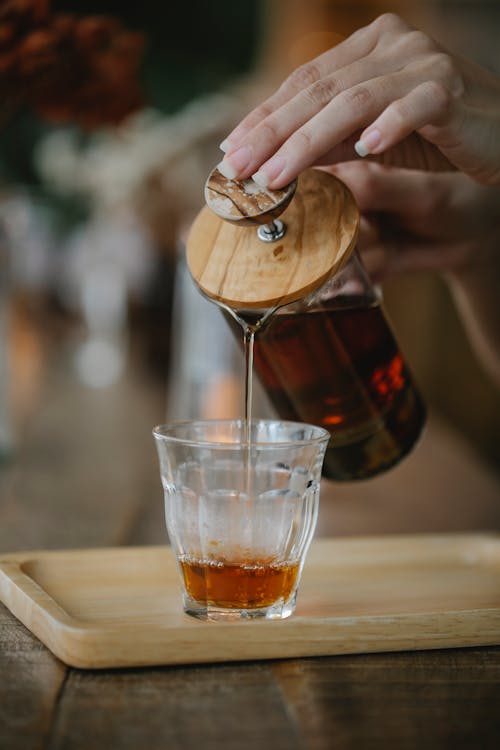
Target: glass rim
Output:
{"points": [[160, 433]]}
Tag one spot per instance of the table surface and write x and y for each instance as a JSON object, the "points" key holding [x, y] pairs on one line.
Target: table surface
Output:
{"points": [[84, 474]]}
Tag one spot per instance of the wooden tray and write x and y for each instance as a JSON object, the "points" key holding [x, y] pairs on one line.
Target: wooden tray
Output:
{"points": [[121, 607]]}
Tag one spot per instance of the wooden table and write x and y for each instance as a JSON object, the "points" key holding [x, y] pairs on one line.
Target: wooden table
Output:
{"points": [[84, 473]]}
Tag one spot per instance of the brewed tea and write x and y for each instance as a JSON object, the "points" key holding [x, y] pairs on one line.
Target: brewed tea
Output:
{"points": [[233, 585], [342, 369]]}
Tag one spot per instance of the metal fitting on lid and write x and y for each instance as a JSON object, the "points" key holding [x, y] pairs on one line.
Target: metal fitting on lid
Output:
{"points": [[271, 232]]}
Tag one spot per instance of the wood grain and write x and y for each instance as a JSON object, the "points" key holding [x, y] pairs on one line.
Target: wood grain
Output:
{"points": [[122, 607], [440, 700], [32, 679], [233, 266], [177, 708]]}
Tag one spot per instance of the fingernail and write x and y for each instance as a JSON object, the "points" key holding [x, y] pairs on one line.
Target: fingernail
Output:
{"points": [[270, 172], [225, 145], [233, 165], [261, 179], [368, 143]]}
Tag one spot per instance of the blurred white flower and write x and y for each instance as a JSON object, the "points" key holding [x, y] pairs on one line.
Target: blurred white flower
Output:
{"points": [[114, 166]]}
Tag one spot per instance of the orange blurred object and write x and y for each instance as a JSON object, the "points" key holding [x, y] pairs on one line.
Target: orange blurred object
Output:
{"points": [[66, 68]]}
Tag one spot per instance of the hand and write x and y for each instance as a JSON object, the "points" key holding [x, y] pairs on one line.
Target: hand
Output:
{"points": [[388, 91], [419, 221]]}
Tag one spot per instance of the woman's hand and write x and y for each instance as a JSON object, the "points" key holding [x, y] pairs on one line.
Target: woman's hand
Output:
{"points": [[388, 91], [419, 221]]}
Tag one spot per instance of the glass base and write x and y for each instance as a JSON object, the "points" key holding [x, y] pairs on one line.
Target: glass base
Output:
{"points": [[280, 610]]}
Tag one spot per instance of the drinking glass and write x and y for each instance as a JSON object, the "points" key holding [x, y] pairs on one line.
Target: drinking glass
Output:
{"points": [[241, 504]]}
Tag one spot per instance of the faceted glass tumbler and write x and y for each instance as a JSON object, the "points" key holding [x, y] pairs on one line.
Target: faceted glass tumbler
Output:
{"points": [[241, 508]]}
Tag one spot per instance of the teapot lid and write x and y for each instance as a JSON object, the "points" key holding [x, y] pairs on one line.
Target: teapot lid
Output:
{"points": [[232, 264]]}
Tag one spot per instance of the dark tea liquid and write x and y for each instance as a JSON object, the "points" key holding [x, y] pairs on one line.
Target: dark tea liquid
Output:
{"points": [[342, 369], [237, 585]]}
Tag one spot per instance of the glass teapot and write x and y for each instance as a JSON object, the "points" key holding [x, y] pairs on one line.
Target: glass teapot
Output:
{"points": [[326, 355]]}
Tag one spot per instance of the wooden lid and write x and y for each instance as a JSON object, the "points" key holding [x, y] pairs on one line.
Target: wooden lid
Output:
{"points": [[233, 266]]}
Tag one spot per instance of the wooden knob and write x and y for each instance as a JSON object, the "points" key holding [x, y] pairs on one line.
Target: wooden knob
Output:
{"points": [[243, 201], [233, 266]]}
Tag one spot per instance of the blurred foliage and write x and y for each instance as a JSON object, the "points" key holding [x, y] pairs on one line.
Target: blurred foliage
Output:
{"points": [[191, 49]]}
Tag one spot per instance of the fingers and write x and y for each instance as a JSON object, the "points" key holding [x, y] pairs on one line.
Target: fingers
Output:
{"points": [[349, 111], [404, 95], [402, 254], [269, 134], [429, 102], [377, 188], [310, 88], [413, 221], [272, 132], [395, 257], [318, 124], [356, 47], [368, 232], [376, 259]]}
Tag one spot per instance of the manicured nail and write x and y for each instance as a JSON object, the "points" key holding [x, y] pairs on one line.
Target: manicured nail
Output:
{"points": [[225, 145], [261, 179], [368, 143], [226, 169], [231, 166], [271, 171]]}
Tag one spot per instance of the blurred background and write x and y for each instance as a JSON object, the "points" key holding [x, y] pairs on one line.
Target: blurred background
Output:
{"points": [[99, 324]]}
